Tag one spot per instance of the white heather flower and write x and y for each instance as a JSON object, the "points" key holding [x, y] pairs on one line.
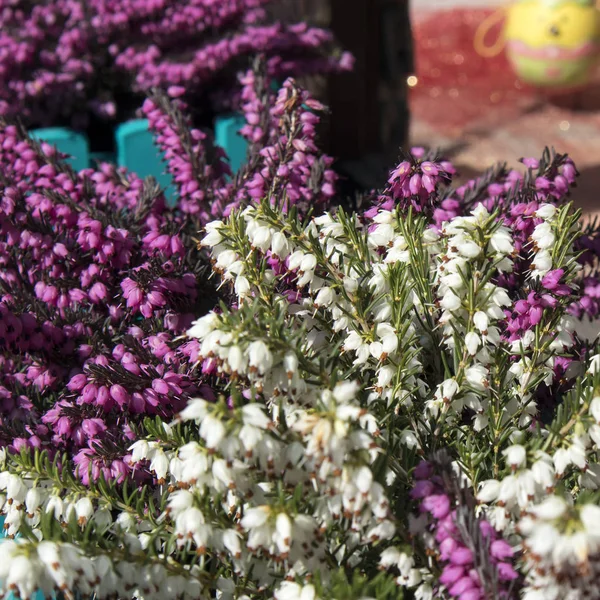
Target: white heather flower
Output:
{"points": [[467, 248], [196, 410], [398, 252], [16, 490], [594, 409], [55, 506], [546, 211], [203, 326], [447, 390], [308, 263], [384, 216], [261, 238], [385, 376], [159, 464], [295, 260], [450, 301], [84, 510], [190, 524], [179, 501], [381, 236], [23, 575], [236, 360], [242, 286], [472, 342], [325, 297], [253, 414], [477, 376], [290, 364], [542, 262], [289, 590], [590, 517], [232, 542], [389, 557], [283, 532], [489, 490], [212, 431], [562, 460], [509, 489], [409, 439], [363, 479], [481, 321], [543, 236], [226, 259], [594, 365], [255, 517], [501, 241], [213, 237], [500, 297], [33, 500], [551, 508], [577, 454], [280, 245], [516, 456], [543, 472], [260, 357], [346, 391], [350, 284], [594, 433]]}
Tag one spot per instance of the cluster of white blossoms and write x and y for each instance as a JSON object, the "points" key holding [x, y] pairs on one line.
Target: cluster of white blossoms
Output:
{"points": [[64, 567], [530, 479], [561, 549], [356, 349], [471, 249], [544, 240]]}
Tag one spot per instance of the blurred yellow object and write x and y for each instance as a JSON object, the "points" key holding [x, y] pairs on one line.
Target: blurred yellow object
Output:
{"points": [[548, 42]]}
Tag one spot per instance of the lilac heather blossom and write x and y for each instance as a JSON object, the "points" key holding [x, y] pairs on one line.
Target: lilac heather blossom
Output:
{"points": [[62, 60], [476, 563], [291, 168], [414, 183]]}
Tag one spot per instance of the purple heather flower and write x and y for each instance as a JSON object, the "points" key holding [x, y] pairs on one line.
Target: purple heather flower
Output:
{"points": [[83, 264], [551, 282], [58, 56], [462, 566]]}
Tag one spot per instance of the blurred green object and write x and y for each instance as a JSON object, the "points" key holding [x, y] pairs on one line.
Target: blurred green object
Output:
{"points": [[137, 152], [227, 136], [67, 141]]}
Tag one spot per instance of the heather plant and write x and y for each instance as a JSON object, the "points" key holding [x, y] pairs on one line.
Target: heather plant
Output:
{"points": [[399, 403], [100, 278], [63, 62]]}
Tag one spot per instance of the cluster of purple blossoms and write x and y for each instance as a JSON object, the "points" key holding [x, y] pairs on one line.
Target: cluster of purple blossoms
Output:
{"points": [[96, 282], [476, 563], [527, 313], [62, 60], [415, 183], [284, 160], [588, 304]]}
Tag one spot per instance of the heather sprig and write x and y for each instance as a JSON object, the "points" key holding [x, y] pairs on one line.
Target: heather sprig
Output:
{"points": [[284, 161]]}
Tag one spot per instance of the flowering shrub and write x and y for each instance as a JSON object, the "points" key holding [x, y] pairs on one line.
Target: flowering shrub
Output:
{"points": [[99, 279], [402, 404], [61, 60]]}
